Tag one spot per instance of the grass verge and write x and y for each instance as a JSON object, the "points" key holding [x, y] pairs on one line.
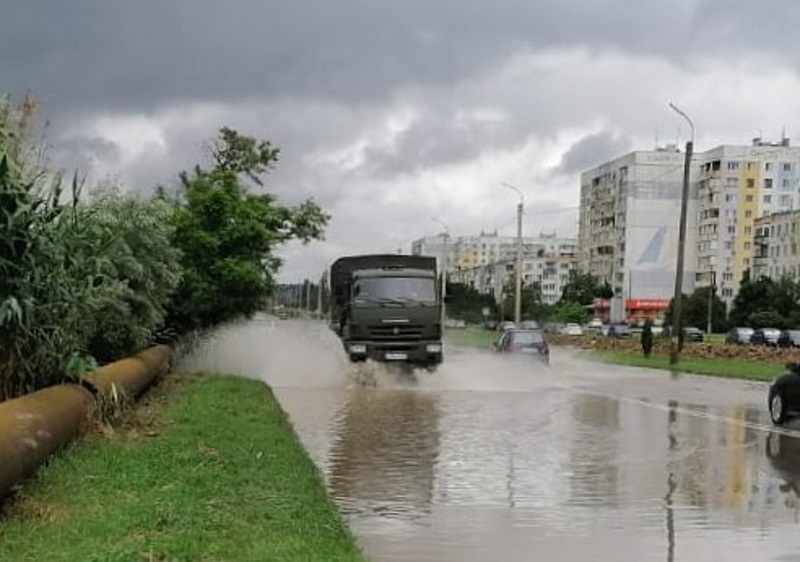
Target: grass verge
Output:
{"points": [[475, 337], [714, 367], [206, 468], [733, 368]]}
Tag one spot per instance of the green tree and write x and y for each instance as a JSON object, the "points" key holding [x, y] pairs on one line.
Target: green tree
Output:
{"points": [[227, 235], [532, 307], [760, 296], [694, 310], [571, 312], [583, 288], [466, 303]]}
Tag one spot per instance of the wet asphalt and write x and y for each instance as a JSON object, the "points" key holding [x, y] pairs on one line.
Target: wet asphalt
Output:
{"points": [[494, 458]]}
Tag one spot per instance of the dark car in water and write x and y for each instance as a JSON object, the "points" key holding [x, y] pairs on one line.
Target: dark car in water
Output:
{"points": [[531, 342], [783, 398]]}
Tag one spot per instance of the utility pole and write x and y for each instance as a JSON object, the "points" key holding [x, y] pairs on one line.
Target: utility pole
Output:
{"points": [[518, 265], [712, 291], [319, 295], [676, 343], [443, 283]]}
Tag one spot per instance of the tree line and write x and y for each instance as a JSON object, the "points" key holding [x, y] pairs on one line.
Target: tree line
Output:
{"points": [[760, 303], [92, 274]]}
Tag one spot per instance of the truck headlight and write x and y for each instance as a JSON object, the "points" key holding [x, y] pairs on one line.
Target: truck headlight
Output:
{"points": [[433, 348], [358, 348]]}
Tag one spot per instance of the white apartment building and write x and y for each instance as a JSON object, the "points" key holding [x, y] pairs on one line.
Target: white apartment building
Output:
{"points": [[629, 215], [547, 260], [737, 186], [630, 208], [469, 252], [777, 237]]}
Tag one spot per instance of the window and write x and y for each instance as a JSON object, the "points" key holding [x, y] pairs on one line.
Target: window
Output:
{"points": [[785, 183], [748, 214], [768, 183], [768, 199], [768, 166], [751, 182], [733, 165], [787, 167], [749, 198]]}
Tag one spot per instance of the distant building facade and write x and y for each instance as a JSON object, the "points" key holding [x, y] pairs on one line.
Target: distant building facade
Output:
{"points": [[630, 209], [777, 246]]}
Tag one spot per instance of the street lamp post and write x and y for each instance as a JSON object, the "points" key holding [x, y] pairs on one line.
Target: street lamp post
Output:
{"points": [[443, 284], [518, 266], [676, 339]]}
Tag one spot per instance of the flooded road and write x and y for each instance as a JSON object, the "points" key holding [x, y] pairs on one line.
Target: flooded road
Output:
{"points": [[494, 459]]}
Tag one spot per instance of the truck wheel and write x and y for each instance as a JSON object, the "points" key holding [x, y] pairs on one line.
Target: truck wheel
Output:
{"points": [[356, 358]]}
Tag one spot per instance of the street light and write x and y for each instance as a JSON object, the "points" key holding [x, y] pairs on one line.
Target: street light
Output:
{"points": [[445, 237], [676, 343], [518, 266]]}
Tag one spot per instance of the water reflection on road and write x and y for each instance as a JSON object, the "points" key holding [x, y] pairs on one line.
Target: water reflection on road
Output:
{"points": [[490, 459]]}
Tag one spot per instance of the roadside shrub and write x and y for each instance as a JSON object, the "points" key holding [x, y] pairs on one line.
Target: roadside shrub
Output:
{"points": [[79, 281]]}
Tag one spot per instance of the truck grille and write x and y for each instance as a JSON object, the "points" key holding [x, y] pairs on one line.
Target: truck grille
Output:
{"points": [[396, 332]]}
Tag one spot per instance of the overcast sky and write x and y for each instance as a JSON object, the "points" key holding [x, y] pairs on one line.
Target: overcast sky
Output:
{"points": [[391, 113]]}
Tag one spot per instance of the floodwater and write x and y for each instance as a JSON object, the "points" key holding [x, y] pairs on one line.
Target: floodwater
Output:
{"points": [[494, 459]]}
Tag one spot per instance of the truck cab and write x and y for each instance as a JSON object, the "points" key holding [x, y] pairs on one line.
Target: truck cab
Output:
{"points": [[387, 308]]}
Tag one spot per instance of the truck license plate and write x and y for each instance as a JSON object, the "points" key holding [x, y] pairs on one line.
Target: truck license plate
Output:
{"points": [[396, 356]]}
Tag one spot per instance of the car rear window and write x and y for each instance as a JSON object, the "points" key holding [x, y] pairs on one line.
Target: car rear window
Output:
{"points": [[523, 338]]}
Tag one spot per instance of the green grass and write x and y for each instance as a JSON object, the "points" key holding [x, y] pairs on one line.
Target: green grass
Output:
{"points": [[208, 468], [715, 367], [733, 368], [471, 336]]}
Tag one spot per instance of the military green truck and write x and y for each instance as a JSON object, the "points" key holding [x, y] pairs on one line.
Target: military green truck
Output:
{"points": [[387, 308]]}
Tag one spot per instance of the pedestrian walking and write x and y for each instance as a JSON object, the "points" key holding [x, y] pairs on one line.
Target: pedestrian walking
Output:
{"points": [[647, 338]]}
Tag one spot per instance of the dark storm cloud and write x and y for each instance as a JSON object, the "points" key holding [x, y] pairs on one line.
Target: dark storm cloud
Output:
{"points": [[590, 151], [89, 54]]}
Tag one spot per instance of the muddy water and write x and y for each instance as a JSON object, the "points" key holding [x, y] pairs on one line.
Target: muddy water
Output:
{"points": [[501, 460]]}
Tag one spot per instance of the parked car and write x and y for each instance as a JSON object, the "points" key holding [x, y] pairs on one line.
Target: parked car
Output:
{"points": [[572, 329], [783, 399], [617, 330], [789, 338], [595, 324], [529, 325], [504, 326], [690, 333], [518, 340], [765, 336], [739, 335]]}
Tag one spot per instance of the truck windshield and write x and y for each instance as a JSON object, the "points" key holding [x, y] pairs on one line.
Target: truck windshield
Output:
{"points": [[397, 290]]}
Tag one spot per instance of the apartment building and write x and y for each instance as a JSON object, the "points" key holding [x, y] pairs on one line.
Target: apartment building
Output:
{"points": [[776, 241], [738, 188], [629, 215], [630, 208], [472, 251], [547, 260]]}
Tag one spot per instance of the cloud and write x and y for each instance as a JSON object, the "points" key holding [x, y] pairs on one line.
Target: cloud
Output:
{"points": [[590, 150], [391, 114]]}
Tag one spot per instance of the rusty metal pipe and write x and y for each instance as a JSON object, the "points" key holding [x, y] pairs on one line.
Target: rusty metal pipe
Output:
{"points": [[35, 426], [133, 375]]}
